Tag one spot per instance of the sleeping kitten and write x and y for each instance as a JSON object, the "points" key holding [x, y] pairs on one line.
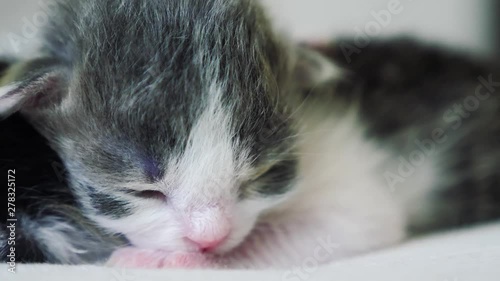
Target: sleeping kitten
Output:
{"points": [[206, 140]]}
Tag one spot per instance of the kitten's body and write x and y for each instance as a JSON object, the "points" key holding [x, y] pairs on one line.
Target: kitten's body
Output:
{"points": [[436, 112], [264, 153]]}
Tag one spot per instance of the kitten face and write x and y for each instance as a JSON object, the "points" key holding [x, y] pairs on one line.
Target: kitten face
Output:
{"points": [[165, 184], [174, 135]]}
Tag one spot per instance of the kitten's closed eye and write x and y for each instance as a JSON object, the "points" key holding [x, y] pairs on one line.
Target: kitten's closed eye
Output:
{"points": [[151, 194], [273, 179], [281, 173]]}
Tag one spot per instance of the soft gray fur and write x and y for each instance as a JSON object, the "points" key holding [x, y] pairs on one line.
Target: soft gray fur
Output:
{"points": [[138, 74], [124, 93]]}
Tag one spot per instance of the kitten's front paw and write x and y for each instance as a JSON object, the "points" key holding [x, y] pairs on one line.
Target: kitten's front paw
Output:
{"points": [[187, 260], [131, 257]]}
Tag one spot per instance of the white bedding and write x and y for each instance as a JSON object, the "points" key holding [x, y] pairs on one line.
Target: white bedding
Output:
{"points": [[456, 256]]}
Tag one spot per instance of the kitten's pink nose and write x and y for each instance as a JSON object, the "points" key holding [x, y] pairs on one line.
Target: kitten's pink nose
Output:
{"points": [[208, 245], [208, 228]]}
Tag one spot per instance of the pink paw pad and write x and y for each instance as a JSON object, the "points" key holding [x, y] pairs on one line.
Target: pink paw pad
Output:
{"points": [[136, 258], [186, 260]]}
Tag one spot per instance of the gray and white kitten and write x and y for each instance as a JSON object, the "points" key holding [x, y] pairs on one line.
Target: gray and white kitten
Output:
{"points": [[206, 140]]}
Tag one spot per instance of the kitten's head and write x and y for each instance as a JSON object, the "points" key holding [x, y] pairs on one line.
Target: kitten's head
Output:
{"points": [[169, 116]]}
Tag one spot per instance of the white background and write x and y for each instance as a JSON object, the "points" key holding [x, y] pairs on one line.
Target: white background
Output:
{"points": [[457, 23]]}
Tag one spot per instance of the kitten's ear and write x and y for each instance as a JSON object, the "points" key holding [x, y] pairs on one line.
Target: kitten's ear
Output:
{"points": [[313, 69], [32, 86]]}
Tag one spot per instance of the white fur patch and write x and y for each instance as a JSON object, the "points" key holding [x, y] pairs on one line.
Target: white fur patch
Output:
{"points": [[416, 192], [207, 168], [340, 193]]}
